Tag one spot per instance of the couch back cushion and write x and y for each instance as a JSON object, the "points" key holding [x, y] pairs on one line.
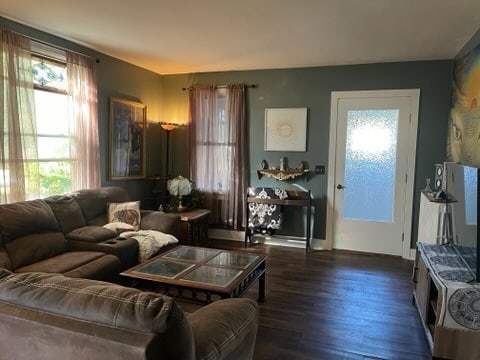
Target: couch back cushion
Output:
{"points": [[26, 217], [30, 232], [93, 203], [67, 211], [33, 248], [94, 301]]}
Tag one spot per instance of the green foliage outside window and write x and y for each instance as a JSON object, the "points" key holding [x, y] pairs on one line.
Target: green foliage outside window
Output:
{"points": [[55, 178]]}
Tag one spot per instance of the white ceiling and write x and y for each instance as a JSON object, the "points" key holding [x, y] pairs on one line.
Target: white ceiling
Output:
{"points": [[183, 36]]}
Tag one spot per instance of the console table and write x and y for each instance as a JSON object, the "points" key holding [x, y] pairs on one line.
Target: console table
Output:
{"points": [[295, 198], [447, 307]]}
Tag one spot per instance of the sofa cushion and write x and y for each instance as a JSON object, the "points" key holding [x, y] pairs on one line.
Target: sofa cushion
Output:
{"points": [[106, 267], [162, 222], [79, 264], [93, 301], [92, 234], [5, 259], [29, 249], [4, 272], [93, 202], [67, 211], [26, 217]]}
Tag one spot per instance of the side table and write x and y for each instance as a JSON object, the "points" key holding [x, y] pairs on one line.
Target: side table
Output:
{"points": [[193, 227]]}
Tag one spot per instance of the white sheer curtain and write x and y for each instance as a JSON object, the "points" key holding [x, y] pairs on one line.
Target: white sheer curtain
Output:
{"points": [[19, 172], [84, 147], [217, 150]]}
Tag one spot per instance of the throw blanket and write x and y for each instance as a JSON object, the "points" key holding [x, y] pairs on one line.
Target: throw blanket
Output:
{"points": [[149, 242], [461, 307]]}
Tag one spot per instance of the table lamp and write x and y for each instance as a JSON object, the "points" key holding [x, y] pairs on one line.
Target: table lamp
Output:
{"points": [[179, 187]]}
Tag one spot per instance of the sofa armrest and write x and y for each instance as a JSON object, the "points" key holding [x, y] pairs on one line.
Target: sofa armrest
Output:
{"points": [[225, 329], [156, 220]]}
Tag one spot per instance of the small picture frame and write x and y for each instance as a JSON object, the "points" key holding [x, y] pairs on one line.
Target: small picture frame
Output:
{"points": [[286, 129], [127, 139]]}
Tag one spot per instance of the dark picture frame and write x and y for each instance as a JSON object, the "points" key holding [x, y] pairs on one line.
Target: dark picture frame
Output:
{"points": [[127, 139]]}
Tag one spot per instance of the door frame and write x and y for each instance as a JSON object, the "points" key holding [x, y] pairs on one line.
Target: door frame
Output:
{"points": [[336, 96]]}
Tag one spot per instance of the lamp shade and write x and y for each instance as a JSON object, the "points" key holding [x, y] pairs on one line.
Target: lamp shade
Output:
{"points": [[168, 127], [179, 186]]}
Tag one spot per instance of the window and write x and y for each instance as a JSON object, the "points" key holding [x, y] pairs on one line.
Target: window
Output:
{"points": [[48, 124], [217, 151], [216, 146], [52, 125]]}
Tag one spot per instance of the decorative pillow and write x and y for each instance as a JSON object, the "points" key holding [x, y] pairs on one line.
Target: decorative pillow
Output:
{"points": [[128, 212], [119, 227]]}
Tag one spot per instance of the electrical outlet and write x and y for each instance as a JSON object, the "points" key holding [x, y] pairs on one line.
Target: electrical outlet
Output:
{"points": [[320, 169]]}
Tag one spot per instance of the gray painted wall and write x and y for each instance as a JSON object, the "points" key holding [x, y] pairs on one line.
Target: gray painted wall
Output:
{"points": [[117, 78], [304, 87], [311, 88]]}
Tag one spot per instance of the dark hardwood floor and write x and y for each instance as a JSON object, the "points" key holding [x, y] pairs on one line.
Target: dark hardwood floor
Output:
{"points": [[335, 305]]}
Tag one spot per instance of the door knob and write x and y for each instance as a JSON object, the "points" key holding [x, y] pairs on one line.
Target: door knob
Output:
{"points": [[340, 187]]}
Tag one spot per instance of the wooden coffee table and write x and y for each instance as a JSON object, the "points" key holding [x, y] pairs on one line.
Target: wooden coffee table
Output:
{"points": [[201, 275]]}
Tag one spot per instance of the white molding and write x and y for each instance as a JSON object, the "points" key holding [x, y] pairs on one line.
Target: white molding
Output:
{"points": [[223, 234], [413, 253], [332, 159], [290, 241], [414, 95]]}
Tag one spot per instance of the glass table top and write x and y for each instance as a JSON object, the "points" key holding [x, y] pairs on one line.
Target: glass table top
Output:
{"points": [[191, 253], [233, 260], [165, 268], [188, 264], [212, 275]]}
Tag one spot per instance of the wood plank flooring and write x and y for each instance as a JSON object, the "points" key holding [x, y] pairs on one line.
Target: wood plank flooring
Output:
{"points": [[335, 305]]}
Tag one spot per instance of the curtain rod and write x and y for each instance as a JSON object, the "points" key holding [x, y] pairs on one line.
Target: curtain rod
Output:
{"points": [[97, 60], [253, 86]]}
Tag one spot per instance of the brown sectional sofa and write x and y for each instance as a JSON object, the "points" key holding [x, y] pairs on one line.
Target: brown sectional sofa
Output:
{"points": [[50, 316], [52, 307], [64, 234]]}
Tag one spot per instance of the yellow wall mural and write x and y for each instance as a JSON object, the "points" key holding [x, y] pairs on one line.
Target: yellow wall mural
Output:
{"points": [[464, 123]]}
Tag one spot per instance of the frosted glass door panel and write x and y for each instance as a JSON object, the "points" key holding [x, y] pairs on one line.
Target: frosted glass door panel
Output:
{"points": [[374, 137], [370, 163]]}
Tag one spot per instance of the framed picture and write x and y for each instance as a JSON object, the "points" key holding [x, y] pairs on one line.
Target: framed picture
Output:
{"points": [[127, 139], [286, 129]]}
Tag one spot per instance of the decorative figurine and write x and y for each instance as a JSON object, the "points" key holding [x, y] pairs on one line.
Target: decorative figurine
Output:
{"points": [[283, 163]]}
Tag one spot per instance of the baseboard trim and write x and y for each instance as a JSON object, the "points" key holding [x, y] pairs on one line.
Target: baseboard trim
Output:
{"points": [[280, 240]]}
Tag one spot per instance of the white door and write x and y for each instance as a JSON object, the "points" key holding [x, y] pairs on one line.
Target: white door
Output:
{"points": [[372, 154]]}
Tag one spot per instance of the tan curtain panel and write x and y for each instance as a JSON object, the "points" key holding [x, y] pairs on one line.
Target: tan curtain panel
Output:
{"points": [[217, 150], [19, 172], [82, 107]]}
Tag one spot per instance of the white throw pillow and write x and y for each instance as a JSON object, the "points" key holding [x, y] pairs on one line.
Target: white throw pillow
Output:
{"points": [[119, 227], [128, 212]]}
